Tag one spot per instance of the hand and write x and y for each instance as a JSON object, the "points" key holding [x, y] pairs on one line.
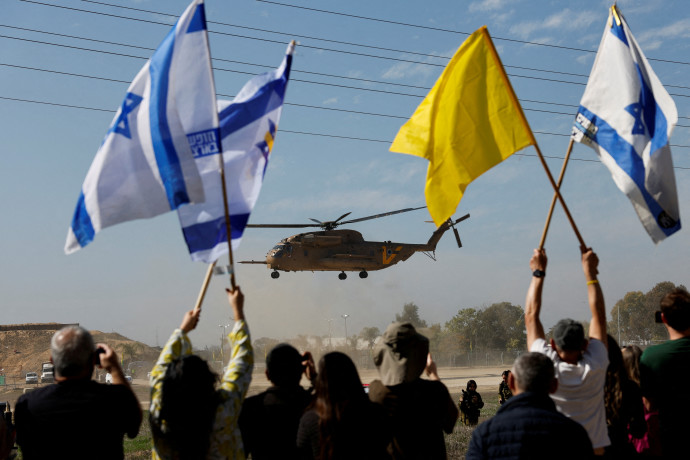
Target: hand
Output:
{"points": [[108, 360], [538, 260], [309, 366], [431, 369], [236, 300], [190, 320], [590, 264]]}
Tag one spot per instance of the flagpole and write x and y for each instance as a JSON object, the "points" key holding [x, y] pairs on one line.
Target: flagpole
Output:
{"points": [[204, 286], [555, 197], [227, 221], [560, 197]]}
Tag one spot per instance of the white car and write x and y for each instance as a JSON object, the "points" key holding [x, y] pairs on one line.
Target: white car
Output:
{"points": [[32, 377]]}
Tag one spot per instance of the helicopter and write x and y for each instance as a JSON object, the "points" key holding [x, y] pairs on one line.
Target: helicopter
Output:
{"points": [[344, 250]]}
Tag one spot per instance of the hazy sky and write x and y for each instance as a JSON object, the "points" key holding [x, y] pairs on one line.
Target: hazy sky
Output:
{"points": [[354, 82]]}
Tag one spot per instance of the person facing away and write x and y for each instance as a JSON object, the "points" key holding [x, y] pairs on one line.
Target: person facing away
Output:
{"points": [[580, 364], [504, 393], [77, 417], [528, 426], [470, 404], [623, 402], [418, 411], [269, 420], [189, 417], [665, 373], [343, 423], [648, 445]]}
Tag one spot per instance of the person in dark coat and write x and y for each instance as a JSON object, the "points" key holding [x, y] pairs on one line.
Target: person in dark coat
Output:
{"points": [[269, 420], [528, 426]]}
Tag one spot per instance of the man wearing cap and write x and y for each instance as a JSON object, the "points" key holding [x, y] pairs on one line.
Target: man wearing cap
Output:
{"points": [[418, 410], [580, 364]]}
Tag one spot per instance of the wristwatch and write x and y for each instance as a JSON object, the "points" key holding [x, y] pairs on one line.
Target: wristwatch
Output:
{"points": [[539, 273]]}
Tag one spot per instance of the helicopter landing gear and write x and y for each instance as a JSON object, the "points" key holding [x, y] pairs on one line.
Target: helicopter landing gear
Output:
{"points": [[342, 276], [363, 274], [275, 274]]}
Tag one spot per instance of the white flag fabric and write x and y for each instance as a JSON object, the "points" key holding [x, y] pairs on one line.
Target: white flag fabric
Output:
{"points": [[145, 165], [248, 127], [627, 117]]}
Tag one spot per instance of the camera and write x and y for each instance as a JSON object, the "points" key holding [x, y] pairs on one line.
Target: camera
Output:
{"points": [[97, 356], [657, 317]]}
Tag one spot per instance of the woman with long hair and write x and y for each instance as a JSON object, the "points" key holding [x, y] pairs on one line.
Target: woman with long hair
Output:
{"points": [[649, 444], [343, 423], [623, 401], [190, 418]]}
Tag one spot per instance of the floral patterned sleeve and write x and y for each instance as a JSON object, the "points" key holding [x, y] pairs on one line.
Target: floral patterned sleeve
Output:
{"points": [[227, 439], [178, 345]]}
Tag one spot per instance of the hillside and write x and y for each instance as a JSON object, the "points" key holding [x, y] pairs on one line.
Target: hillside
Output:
{"points": [[23, 350]]}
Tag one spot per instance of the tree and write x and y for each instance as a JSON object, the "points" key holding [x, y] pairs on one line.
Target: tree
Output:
{"points": [[410, 314], [636, 312], [499, 326], [370, 334]]}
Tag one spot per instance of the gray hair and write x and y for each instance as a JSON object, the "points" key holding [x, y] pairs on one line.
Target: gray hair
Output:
{"points": [[72, 350], [533, 372]]}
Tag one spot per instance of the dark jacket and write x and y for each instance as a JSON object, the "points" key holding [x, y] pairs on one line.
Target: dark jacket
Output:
{"points": [[528, 426], [269, 422]]}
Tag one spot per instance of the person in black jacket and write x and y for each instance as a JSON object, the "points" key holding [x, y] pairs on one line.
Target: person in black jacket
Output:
{"points": [[268, 421], [528, 426]]}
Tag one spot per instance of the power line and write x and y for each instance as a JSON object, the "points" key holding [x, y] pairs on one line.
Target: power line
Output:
{"points": [[72, 74], [439, 29], [334, 136], [334, 41], [341, 42]]}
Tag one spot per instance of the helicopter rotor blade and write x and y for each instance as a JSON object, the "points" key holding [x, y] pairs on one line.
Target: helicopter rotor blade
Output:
{"points": [[466, 216], [376, 216], [317, 221], [457, 236], [282, 225]]}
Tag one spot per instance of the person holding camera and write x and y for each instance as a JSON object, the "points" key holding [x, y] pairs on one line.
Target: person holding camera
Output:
{"points": [[269, 420], [77, 417]]}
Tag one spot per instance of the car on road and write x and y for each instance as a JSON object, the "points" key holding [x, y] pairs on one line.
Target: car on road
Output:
{"points": [[32, 377], [109, 378]]}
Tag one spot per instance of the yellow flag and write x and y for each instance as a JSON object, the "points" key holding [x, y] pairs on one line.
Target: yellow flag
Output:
{"points": [[469, 122]]}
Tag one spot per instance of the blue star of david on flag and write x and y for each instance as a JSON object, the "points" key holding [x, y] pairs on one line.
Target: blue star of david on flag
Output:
{"points": [[121, 123], [627, 117]]}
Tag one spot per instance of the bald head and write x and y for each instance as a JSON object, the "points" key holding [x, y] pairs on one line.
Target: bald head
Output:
{"points": [[72, 351]]}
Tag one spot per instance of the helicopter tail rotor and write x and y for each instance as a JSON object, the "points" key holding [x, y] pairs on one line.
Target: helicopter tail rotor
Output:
{"points": [[451, 223]]}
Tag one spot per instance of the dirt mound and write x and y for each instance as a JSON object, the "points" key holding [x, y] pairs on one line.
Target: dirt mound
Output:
{"points": [[24, 350]]}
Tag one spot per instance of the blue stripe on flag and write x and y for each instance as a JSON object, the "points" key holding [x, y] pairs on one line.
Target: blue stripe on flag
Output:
{"points": [[198, 21], [267, 98], [206, 235], [618, 31], [627, 158], [161, 137], [81, 223]]}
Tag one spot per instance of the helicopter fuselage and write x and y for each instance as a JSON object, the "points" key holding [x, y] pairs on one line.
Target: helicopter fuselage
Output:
{"points": [[337, 250]]}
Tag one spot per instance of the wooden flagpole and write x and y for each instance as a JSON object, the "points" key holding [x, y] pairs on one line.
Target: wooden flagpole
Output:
{"points": [[555, 196], [560, 197], [204, 286]]}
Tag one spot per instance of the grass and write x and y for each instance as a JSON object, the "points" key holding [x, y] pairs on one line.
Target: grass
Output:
{"points": [[458, 441]]}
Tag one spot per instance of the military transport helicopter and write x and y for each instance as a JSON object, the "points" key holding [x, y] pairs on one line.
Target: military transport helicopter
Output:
{"points": [[344, 250]]}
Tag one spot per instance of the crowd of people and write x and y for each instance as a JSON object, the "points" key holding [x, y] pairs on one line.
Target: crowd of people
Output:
{"points": [[573, 396]]}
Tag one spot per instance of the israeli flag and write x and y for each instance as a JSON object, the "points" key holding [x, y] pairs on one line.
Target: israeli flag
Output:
{"points": [[627, 117], [145, 165], [248, 127]]}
